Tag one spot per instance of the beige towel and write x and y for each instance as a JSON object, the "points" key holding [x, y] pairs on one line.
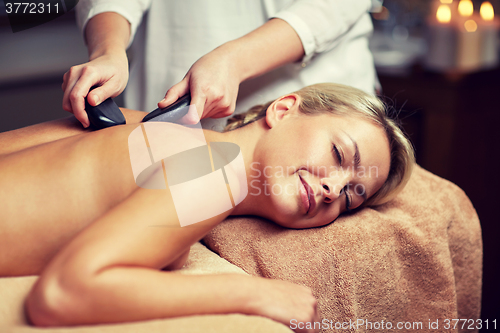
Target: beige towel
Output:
{"points": [[417, 259]]}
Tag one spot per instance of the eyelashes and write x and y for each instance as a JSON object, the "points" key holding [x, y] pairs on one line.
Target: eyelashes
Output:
{"points": [[345, 191], [337, 153], [348, 200]]}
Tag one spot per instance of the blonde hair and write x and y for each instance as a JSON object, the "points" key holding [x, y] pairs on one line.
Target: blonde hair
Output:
{"points": [[347, 101]]}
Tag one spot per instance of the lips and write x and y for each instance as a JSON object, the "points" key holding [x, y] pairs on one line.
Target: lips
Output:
{"points": [[309, 199]]}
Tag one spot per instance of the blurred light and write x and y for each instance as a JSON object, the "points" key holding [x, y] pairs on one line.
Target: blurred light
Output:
{"points": [[400, 33], [446, 1], [383, 15], [470, 25], [443, 14], [486, 11], [465, 8]]}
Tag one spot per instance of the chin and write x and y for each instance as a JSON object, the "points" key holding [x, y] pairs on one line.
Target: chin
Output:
{"points": [[302, 224], [287, 224]]}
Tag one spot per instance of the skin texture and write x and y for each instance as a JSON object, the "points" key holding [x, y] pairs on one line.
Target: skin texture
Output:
{"points": [[73, 213], [213, 80]]}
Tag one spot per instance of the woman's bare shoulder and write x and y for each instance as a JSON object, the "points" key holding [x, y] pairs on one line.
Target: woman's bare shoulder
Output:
{"points": [[133, 116]]}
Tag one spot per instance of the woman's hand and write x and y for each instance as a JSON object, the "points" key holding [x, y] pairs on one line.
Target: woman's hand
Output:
{"points": [[109, 72], [286, 302], [213, 82]]}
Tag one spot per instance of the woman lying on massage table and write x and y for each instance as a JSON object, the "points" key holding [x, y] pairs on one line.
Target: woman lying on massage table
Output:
{"points": [[72, 212]]}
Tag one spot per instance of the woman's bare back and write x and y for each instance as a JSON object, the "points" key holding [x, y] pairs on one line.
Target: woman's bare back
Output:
{"points": [[50, 192]]}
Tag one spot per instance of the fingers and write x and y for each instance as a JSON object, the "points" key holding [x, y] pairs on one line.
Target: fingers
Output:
{"points": [[219, 105], [210, 100], [308, 318], [109, 72], [198, 101], [192, 117], [174, 93], [102, 93], [76, 86], [293, 305], [210, 104]]}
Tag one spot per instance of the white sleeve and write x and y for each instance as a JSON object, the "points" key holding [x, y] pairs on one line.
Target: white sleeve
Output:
{"points": [[320, 23], [131, 10]]}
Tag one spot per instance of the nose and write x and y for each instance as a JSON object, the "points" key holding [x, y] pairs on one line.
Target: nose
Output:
{"points": [[332, 188]]}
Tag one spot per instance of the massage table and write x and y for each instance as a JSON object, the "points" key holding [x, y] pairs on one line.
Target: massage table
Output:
{"points": [[415, 261]]}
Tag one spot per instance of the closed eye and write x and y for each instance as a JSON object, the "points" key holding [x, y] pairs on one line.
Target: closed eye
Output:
{"points": [[337, 153], [348, 200]]}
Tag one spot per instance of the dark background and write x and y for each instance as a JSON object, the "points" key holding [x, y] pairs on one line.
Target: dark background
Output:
{"points": [[452, 118], [454, 125]]}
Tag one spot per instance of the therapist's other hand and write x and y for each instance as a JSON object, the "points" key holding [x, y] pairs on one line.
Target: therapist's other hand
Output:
{"points": [[213, 83], [109, 72]]}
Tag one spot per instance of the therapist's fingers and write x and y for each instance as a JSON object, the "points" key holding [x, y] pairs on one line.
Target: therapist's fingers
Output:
{"points": [[221, 106], [74, 94], [177, 91], [79, 83], [98, 95], [198, 102], [108, 72], [174, 93]]}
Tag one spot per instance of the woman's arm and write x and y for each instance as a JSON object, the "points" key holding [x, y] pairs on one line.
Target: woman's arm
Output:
{"points": [[110, 273]]}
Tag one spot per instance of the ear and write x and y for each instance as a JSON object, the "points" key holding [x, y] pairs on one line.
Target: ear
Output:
{"points": [[281, 108]]}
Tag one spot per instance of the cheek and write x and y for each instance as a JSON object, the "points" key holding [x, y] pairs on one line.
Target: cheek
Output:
{"points": [[284, 191], [283, 198]]}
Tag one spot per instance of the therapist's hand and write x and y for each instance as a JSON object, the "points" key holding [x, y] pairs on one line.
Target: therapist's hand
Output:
{"points": [[107, 36], [109, 72], [214, 79], [213, 82]]}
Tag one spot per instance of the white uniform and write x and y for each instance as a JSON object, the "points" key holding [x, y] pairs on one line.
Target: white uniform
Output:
{"points": [[169, 36]]}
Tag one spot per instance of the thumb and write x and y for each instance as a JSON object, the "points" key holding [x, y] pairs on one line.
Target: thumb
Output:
{"points": [[98, 95], [174, 93]]}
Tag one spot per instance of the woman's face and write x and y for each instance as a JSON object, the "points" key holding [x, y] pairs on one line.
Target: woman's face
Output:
{"points": [[310, 169]]}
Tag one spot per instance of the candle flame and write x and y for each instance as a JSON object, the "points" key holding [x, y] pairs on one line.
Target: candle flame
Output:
{"points": [[443, 14], [465, 8], [486, 11], [446, 1], [470, 25]]}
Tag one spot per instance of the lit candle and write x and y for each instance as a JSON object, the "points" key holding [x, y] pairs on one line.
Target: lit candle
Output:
{"points": [[490, 27], [452, 5], [441, 39], [465, 8]]}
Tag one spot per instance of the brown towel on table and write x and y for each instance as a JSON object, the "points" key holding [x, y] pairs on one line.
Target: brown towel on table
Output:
{"points": [[417, 259]]}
